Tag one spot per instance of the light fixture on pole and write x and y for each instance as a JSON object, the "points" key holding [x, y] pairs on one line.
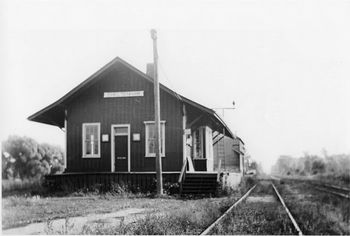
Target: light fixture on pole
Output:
{"points": [[225, 108]]}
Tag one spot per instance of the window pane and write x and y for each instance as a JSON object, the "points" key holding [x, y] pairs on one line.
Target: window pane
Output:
{"points": [[121, 130], [95, 148], [151, 131], [95, 127], [151, 146], [94, 130], [88, 147], [87, 132]]}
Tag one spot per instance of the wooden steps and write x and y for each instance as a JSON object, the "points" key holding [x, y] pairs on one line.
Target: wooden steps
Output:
{"points": [[200, 183]]}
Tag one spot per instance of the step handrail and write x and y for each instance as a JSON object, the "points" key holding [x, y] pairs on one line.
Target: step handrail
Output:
{"points": [[219, 171], [183, 170]]}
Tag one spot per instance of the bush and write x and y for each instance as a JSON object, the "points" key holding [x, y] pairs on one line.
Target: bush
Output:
{"points": [[248, 182], [171, 188]]}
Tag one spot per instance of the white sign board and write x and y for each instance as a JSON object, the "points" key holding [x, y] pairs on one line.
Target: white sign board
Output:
{"points": [[105, 138], [123, 94], [136, 137]]}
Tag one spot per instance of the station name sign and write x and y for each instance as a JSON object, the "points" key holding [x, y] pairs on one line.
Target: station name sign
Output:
{"points": [[123, 94]]}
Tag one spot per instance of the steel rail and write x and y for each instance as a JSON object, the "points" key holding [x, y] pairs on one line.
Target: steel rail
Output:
{"points": [[314, 182], [341, 188], [287, 210], [328, 191], [206, 231]]}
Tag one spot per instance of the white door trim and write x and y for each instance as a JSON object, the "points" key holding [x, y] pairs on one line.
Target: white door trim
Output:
{"points": [[113, 143]]}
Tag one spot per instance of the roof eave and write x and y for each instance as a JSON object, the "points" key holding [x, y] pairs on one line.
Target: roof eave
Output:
{"points": [[224, 124]]}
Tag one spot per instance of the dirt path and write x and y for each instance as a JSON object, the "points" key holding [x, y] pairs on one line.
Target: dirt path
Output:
{"points": [[75, 225]]}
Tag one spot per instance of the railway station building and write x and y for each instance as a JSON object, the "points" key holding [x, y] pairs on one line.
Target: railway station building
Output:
{"points": [[108, 121]]}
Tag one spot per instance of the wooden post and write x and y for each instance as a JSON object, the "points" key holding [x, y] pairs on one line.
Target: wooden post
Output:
{"points": [[184, 135], [65, 140], [157, 115]]}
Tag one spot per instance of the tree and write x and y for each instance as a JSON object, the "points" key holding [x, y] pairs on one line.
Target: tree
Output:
{"points": [[253, 165], [284, 165], [26, 158], [318, 167]]}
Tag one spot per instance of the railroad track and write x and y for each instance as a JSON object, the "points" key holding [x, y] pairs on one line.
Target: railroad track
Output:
{"points": [[329, 188], [335, 190], [227, 213]]}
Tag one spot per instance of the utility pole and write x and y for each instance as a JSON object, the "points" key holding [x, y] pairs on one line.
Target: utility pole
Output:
{"points": [[157, 115]]}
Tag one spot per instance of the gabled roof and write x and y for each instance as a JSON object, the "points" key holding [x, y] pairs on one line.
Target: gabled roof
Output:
{"points": [[54, 114]]}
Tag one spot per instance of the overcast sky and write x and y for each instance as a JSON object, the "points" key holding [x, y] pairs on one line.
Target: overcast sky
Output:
{"points": [[286, 64]]}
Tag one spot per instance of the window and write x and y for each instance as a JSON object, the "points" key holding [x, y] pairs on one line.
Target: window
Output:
{"points": [[91, 140], [198, 143], [151, 138], [121, 130]]}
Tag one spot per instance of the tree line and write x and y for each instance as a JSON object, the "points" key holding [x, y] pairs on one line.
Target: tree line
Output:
{"points": [[307, 165], [25, 158]]}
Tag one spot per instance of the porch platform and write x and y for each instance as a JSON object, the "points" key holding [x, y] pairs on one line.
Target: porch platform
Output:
{"points": [[105, 181]]}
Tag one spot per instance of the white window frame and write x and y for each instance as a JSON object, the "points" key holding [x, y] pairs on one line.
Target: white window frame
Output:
{"points": [[98, 155], [147, 153]]}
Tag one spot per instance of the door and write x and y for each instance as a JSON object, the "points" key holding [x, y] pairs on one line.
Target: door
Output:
{"points": [[121, 153], [120, 158]]}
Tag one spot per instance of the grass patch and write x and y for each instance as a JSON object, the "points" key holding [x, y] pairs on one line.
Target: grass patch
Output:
{"points": [[263, 188], [20, 210], [173, 215], [191, 218]]}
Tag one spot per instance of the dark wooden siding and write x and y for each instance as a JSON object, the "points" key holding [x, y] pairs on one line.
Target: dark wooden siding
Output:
{"points": [[90, 106]]}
